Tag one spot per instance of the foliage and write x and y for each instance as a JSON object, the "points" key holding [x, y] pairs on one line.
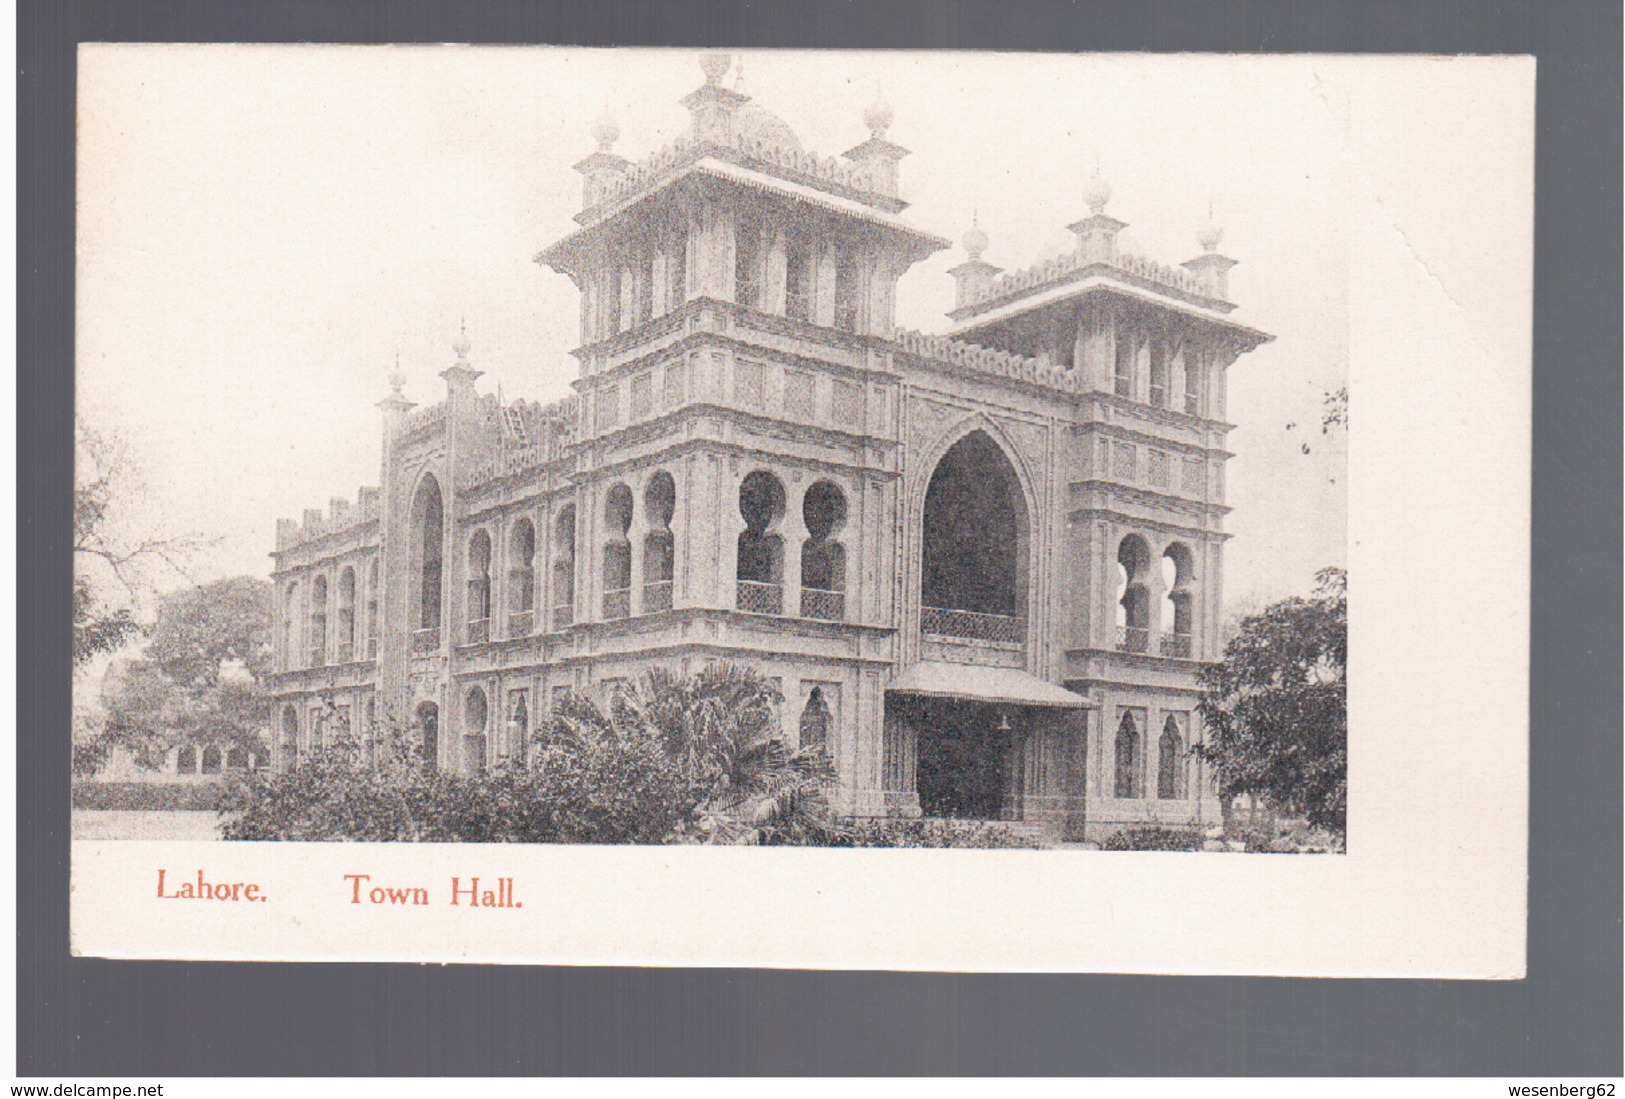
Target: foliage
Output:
{"points": [[1154, 839], [917, 832], [692, 760], [109, 552], [1277, 706], [176, 694]]}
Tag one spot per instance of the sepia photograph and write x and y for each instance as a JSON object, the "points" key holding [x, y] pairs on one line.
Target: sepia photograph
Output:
{"points": [[663, 449]]}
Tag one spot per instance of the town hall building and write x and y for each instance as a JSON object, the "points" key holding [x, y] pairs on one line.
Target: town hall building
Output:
{"points": [[983, 568]]}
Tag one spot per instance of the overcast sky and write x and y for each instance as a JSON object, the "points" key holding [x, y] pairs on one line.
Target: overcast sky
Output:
{"points": [[264, 229]]}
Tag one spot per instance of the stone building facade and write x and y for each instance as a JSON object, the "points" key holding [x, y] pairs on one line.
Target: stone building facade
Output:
{"points": [[983, 568]]}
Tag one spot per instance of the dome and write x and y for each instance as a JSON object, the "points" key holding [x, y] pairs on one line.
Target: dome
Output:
{"points": [[754, 123], [975, 242], [606, 131], [1209, 237]]}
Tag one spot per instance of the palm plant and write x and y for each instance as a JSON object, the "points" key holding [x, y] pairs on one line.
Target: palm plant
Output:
{"points": [[720, 727]]}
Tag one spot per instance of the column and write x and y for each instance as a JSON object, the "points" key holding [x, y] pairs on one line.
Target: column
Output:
{"points": [[898, 768], [793, 530]]}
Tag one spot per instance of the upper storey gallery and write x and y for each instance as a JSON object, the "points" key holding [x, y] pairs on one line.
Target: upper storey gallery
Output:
{"points": [[736, 211]]}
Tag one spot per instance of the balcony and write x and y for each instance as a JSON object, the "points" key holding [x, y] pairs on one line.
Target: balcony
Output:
{"points": [[656, 596], [479, 631], [617, 603], [1175, 644], [318, 655], [1005, 629], [426, 640], [564, 616], [753, 597], [520, 623], [372, 648], [826, 606], [346, 652], [1133, 639]]}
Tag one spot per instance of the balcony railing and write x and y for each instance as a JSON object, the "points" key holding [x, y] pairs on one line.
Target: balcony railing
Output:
{"points": [[618, 603], [426, 640], [346, 651], [1175, 644], [479, 631], [754, 597], [564, 616], [828, 606], [519, 623], [656, 596], [973, 625], [318, 655], [1133, 639]]}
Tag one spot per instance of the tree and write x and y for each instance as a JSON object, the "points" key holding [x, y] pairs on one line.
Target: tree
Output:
{"points": [[177, 694], [109, 553], [1276, 706]]}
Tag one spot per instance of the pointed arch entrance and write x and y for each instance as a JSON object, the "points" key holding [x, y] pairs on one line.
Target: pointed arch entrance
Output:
{"points": [[975, 544]]}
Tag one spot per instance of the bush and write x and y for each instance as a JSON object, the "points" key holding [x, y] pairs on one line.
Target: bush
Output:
{"points": [[1154, 839], [914, 832], [149, 796]]}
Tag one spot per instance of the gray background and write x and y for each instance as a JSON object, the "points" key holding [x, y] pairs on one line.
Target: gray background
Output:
{"points": [[94, 1017]]}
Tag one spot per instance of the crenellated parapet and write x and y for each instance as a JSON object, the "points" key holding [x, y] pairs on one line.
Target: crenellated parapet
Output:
{"points": [[986, 360], [341, 516], [532, 436]]}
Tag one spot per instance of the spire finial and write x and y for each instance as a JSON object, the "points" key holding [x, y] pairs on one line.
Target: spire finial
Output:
{"points": [[739, 73], [606, 131], [715, 67], [878, 116], [1211, 234], [397, 377], [975, 239], [1097, 192], [462, 346]]}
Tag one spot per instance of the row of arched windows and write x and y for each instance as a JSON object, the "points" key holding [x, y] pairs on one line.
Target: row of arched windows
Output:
{"points": [[1158, 368], [1176, 612], [1173, 780], [759, 574], [353, 634], [211, 760]]}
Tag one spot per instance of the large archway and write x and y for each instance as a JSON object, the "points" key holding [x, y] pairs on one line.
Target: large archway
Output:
{"points": [[974, 544]]}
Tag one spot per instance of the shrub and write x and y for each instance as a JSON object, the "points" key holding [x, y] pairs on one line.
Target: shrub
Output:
{"points": [[1154, 839], [149, 796], [915, 832]]}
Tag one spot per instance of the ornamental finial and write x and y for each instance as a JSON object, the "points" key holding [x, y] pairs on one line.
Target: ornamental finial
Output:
{"points": [[878, 116], [715, 67], [1097, 192], [397, 376], [1211, 234], [462, 345], [975, 239]]}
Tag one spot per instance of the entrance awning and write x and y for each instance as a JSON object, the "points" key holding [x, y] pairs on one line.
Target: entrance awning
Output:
{"points": [[1010, 686]]}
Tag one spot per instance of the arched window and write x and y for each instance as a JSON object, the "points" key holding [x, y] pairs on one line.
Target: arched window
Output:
{"points": [[237, 759], [823, 559], [290, 738], [1171, 760], [846, 292], [760, 571], [676, 270], [211, 760], [564, 568], [428, 725], [1127, 784], [521, 578], [186, 760], [428, 564], [318, 622], [291, 652], [1195, 376], [1134, 606], [1179, 579], [518, 724], [815, 719], [659, 557], [346, 637], [618, 552], [316, 728], [1127, 351], [476, 713], [1160, 350], [798, 277], [479, 587], [973, 575], [372, 610]]}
